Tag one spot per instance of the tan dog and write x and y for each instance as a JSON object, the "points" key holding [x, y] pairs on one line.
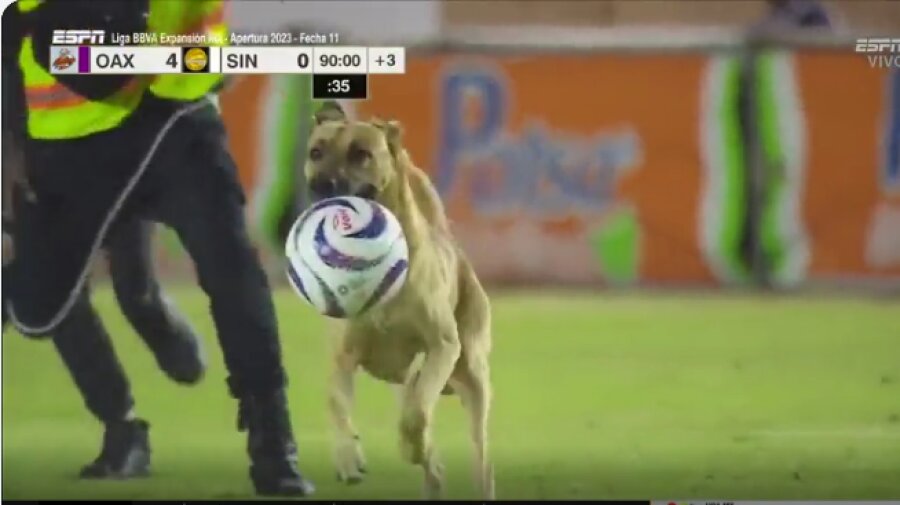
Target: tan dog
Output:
{"points": [[434, 336]]}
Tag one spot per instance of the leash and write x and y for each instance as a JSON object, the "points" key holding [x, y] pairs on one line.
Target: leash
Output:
{"points": [[107, 222]]}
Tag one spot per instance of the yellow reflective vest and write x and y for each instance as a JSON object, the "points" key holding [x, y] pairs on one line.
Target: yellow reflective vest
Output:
{"points": [[205, 17], [56, 113]]}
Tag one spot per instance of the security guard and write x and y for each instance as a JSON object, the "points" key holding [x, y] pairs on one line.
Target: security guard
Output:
{"points": [[82, 342], [107, 149]]}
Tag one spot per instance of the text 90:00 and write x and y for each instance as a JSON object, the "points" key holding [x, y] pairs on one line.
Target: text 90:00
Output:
{"points": [[331, 60]]}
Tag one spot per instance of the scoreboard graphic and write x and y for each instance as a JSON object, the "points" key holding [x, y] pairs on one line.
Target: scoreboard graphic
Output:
{"points": [[339, 72]]}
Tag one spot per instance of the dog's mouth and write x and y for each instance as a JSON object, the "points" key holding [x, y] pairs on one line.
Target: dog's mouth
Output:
{"points": [[322, 187], [368, 191]]}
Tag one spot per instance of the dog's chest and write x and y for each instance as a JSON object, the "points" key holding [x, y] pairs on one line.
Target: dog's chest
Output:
{"points": [[389, 337], [386, 352]]}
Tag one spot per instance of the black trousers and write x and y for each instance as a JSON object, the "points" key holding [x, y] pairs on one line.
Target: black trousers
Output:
{"points": [[190, 183], [83, 342]]}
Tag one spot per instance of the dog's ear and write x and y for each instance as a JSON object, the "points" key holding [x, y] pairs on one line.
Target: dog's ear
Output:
{"points": [[393, 133], [330, 111]]}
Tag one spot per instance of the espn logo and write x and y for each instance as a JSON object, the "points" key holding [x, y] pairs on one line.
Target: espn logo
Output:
{"points": [[880, 45], [78, 37]]}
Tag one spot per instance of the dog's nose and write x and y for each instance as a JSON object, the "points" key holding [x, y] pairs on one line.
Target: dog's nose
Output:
{"points": [[323, 186]]}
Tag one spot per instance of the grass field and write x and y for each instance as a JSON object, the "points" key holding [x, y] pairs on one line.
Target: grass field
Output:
{"points": [[596, 397]]}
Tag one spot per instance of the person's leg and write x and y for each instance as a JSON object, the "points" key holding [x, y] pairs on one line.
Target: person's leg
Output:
{"points": [[168, 334], [85, 348], [203, 201], [79, 338], [3, 306]]}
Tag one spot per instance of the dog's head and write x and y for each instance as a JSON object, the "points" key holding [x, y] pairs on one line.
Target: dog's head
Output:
{"points": [[347, 157]]}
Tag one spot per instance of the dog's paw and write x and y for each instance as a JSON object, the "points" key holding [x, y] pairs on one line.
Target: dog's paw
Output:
{"points": [[486, 484], [434, 479], [350, 461]]}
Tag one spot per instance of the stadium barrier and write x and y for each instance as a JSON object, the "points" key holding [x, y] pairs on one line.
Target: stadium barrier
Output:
{"points": [[632, 157]]}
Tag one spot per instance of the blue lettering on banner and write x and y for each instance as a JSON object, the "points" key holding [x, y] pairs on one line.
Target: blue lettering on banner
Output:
{"points": [[455, 139], [892, 133], [535, 170]]}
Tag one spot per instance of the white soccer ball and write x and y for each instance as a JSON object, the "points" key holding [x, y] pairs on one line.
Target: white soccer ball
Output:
{"points": [[346, 255]]}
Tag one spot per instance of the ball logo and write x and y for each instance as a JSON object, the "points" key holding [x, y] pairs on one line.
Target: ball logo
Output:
{"points": [[195, 59], [341, 220]]}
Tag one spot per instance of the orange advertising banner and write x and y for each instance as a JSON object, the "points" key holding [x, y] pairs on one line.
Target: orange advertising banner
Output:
{"points": [[851, 191], [560, 168], [620, 169]]}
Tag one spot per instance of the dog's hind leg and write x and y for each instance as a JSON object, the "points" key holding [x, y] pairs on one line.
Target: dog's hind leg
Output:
{"points": [[471, 376], [348, 454], [471, 381]]}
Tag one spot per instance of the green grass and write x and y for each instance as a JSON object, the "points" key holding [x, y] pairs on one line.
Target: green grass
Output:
{"points": [[596, 397]]}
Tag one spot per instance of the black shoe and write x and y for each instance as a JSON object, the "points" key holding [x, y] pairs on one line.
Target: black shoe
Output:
{"points": [[125, 453], [177, 348], [270, 443]]}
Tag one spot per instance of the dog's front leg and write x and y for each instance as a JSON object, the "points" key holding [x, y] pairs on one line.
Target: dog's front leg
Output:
{"points": [[348, 454], [421, 394]]}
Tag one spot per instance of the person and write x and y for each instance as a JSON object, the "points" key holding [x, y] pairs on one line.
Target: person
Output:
{"points": [[83, 343], [104, 150], [794, 14]]}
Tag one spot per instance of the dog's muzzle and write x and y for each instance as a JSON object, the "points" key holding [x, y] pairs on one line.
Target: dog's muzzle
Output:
{"points": [[322, 187]]}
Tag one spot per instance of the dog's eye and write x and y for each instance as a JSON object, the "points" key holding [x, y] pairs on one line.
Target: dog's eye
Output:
{"points": [[357, 155], [315, 154]]}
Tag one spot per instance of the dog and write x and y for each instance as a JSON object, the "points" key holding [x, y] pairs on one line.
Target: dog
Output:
{"points": [[434, 336]]}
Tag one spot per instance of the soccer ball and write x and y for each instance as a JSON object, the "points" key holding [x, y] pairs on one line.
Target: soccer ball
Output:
{"points": [[346, 255]]}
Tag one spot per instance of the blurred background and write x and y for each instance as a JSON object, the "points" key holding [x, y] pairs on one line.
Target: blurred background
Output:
{"points": [[681, 164], [619, 143]]}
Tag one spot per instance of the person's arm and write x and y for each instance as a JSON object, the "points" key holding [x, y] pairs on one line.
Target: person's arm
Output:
{"points": [[8, 251], [12, 34], [11, 168], [122, 16]]}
